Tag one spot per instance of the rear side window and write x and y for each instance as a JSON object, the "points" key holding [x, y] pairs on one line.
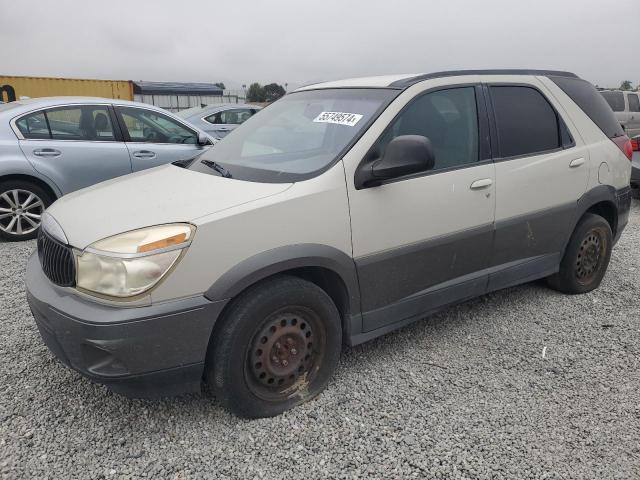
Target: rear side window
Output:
{"points": [[527, 124], [88, 123], [80, 123], [592, 103], [615, 100], [634, 103]]}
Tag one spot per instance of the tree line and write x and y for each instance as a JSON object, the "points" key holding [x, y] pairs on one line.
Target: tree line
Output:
{"points": [[266, 93], [626, 85]]}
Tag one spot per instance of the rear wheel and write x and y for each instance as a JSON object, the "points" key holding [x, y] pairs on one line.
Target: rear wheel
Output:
{"points": [[276, 347], [586, 258], [22, 204]]}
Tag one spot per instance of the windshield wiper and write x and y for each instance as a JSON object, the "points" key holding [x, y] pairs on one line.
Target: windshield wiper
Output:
{"points": [[217, 167]]}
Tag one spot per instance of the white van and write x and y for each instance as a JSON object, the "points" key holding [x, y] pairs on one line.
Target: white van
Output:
{"points": [[626, 107], [339, 213]]}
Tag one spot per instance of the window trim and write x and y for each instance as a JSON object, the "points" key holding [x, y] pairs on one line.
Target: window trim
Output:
{"points": [[13, 124], [497, 157], [125, 133], [484, 137]]}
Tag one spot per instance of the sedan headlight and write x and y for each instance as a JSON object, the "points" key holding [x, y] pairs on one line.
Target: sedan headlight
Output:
{"points": [[131, 263]]}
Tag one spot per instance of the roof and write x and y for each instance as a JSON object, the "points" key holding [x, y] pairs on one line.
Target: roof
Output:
{"points": [[403, 81], [30, 104], [168, 88]]}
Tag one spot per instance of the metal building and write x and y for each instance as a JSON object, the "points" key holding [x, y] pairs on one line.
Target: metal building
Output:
{"points": [[177, 96]]}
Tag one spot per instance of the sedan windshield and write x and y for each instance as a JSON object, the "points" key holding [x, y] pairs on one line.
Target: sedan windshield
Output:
{"points": [[297, 137]]}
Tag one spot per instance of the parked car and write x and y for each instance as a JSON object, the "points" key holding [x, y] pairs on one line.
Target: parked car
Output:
{"points": [[342, 212], [626, 106], [53, 146], [218, 120]]}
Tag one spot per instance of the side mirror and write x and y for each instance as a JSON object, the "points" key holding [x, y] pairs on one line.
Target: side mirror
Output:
{"points": [[404, 155], [204, 140]]}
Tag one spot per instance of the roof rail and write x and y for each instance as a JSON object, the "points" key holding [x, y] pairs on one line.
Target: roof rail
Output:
{"points": [[407, 82]]}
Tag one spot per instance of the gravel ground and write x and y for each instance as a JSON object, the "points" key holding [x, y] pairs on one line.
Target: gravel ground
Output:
{"points": [[523, 383]]}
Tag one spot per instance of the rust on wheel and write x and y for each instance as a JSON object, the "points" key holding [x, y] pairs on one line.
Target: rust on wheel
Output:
{"points": [[590, 255], [286, 350]]}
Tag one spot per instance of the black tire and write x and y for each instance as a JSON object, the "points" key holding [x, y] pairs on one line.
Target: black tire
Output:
{"points": [[586, 258], [284, 318], [25, 188]]}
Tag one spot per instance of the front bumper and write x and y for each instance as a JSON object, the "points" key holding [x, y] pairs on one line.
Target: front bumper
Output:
{"points": [[147, 351]]}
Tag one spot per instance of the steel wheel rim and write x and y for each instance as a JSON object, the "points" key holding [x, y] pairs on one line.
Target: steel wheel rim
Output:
{"points": [[20, 211], [590, 256], [285, 354]]}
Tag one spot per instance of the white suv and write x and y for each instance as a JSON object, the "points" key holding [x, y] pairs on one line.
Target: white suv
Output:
{"points": [[341, 212]]}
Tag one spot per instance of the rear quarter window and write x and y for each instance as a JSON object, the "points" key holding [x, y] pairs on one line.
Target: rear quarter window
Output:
{"points": [[591, 102]]}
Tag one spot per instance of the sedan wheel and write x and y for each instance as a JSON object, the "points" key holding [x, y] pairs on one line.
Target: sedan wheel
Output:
{"points": [[21, 209]]}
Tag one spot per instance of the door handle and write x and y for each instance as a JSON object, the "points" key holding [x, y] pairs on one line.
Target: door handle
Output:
{"points": [[483, 183], [576, 163], [224, 129], [144, 154], [47, 152]]}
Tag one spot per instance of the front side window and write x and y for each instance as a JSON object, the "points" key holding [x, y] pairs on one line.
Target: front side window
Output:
{"points": [[634, 103], [527, 124], [615, 100], [298, 136], [148, 126], [448, 118], [84, 123], [230, 117]]}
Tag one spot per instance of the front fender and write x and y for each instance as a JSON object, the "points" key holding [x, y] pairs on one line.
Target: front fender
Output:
{"points": [[281, 259]]}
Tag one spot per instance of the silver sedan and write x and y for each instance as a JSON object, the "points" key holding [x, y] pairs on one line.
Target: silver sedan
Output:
{"points": [[53, 146], [220, 119]]}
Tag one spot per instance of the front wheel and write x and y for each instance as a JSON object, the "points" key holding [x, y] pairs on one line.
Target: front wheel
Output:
{"points": [[586, 258], [276, 347], [22, 204]]}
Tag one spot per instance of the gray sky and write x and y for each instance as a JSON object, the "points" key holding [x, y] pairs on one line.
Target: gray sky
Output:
{"points": [[303, 41]]}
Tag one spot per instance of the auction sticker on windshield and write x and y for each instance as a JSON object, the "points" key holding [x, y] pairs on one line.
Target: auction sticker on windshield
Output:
{"points": [[339, 118]]}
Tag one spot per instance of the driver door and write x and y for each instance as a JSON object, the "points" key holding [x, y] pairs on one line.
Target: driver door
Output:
{"points": [[153, 138]]}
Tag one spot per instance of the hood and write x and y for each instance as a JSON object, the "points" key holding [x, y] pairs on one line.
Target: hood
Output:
{"points": [[160, 195]]}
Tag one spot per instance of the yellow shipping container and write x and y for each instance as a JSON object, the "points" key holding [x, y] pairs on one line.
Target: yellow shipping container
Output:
{"points": [[12, 88]]}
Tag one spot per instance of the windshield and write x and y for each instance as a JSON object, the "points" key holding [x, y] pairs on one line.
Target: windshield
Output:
{"points": [[298, 136]]}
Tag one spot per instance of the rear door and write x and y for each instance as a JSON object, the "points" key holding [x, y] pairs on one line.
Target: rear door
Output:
{"points": [[541, 171], [223, 122], [633, 123], [74, 145], [154, 138]]}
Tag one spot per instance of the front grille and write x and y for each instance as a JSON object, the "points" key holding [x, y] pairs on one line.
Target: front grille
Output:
{"points": [[57, 260]]}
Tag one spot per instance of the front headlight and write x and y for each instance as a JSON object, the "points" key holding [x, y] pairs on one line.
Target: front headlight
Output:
{"points": [[131, 263]]}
